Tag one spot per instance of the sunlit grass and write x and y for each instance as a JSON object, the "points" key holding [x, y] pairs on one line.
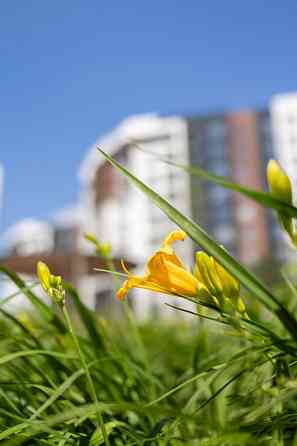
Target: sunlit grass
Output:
{"points": [[225, 376]]}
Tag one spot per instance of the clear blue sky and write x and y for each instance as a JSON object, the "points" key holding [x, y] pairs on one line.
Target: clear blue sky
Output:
{"points": [[71, 69]]}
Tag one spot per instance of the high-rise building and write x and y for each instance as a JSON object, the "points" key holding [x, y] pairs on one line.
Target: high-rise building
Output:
{"points": [[236, 145]]}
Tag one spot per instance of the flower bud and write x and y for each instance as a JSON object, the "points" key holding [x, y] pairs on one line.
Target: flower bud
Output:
{"points": [[51, 284], [231, 286], [279, 182], [241, 308], [104, 249], [281, 188], [91, 238], [206, 273], [44, 276], [218, 283]]}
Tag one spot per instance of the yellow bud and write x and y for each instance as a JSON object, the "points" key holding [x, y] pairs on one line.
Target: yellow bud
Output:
{"points": [[231, 286], [205, 271], [218, 283], [44, 275], [51, 284], [204, 294], [241, 305], [279, 182], [281, 188], [91, 238], [103, 249]]}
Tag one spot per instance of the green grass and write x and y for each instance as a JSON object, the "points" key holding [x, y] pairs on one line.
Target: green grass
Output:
{"points": [[180, 382], [216, 378]]}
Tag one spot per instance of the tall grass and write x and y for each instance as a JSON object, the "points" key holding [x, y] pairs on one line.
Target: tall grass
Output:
{"points": [[224, 380]]}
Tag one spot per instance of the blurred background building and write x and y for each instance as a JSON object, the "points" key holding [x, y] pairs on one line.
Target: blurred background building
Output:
{"points": [[233, 144]]}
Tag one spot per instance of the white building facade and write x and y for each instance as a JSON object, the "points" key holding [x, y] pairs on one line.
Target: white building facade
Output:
{"points": [[133, 225]]}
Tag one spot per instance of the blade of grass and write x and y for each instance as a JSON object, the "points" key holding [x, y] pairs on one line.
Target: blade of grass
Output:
{"points": [[263, 198], [175, 307], [58, 392], [17, 293], [11, 356], [70, 416], [248, 279], [87, 317], [185, 383], [114, 273]]}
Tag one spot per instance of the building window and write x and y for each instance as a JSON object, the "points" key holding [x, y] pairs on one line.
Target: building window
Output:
{"points": [[291, 120], [103, 300], [65, 239], [224, 233], [218, 195], [220, 167], [216, 130]]}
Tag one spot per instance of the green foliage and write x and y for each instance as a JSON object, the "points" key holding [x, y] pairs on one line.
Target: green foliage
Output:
{"points": [[247, 278], [195, 384], [217, 378]]}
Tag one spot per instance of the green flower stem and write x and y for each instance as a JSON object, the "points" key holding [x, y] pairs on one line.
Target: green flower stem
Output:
{"points": [[89, 378]]}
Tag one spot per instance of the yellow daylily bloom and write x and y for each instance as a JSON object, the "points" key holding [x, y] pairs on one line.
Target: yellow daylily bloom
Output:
{"points": [[165, 273]]}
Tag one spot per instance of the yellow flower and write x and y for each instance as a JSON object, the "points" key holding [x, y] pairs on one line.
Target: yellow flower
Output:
{"points": [[51, 284], [165, 273]]}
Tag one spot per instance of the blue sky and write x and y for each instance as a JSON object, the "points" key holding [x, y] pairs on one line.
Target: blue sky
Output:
{"points": [[70, 70]]}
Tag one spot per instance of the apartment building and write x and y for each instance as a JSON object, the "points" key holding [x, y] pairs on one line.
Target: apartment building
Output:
{"points": [[237, 145]]}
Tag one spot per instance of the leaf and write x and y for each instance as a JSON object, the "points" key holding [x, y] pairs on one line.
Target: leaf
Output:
{"points": [[87, 317], [248, 279], [97, 437], [58, 392], [263, 198], [24, 353]]}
